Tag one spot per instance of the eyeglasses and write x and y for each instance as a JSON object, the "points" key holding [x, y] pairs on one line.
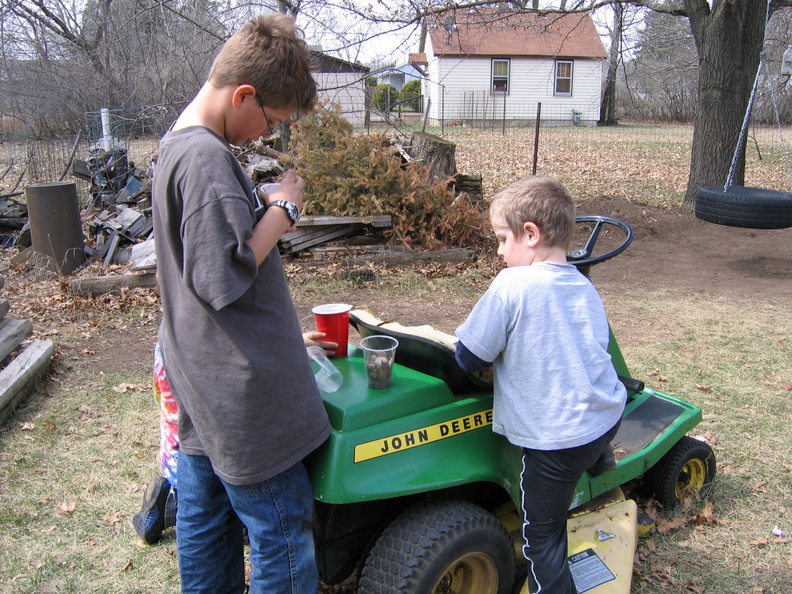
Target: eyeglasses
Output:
{"points": [[270, 127]]}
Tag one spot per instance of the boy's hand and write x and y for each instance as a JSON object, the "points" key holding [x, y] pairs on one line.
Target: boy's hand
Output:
{"points": [[291, 189], [313, 339]]}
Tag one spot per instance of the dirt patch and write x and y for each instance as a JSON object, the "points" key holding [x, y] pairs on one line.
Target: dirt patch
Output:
{"points": [[672, 248]]}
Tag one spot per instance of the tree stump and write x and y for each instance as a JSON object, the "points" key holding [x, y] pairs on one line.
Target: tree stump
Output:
{"points": [[437, 154]]}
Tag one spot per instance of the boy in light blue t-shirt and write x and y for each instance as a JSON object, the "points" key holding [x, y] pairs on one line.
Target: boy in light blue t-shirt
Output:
{"points": [[542, 327]]}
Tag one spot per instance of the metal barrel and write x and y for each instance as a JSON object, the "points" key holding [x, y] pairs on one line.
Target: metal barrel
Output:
{"points": [[55, 225]]}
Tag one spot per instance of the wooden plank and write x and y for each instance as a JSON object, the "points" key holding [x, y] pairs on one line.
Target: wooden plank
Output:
{"points": [[327, 237], [112, 248], [12, 333], [19, 377], [306, 234], [96, 285], [326, 234], [374, 220], [378, 248], [410, 258]]}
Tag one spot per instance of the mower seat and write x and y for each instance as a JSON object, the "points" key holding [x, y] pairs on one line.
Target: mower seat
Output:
{"points": [[424, 349]]}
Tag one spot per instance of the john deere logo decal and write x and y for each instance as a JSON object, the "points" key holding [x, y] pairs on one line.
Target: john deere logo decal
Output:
{"points": [[419, 437]]}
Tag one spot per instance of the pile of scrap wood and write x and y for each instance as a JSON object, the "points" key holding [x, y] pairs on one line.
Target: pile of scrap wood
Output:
{"points": [[119, 227], [121, 233], [13, 223], [125, 218], [19, 373]]}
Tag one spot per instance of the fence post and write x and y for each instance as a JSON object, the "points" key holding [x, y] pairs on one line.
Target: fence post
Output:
{"points": [[536, 135], [442, 109], [504, 113], [426, 113]]}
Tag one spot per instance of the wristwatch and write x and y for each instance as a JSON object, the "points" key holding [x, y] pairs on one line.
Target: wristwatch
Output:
{"points": [[291, 209]]}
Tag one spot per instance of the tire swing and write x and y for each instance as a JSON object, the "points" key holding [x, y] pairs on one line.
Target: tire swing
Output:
{"points": [[740, 206]]}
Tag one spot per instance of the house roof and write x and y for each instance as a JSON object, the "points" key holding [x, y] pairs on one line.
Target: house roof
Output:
{"points": [[322, 62], [408, 69], [496, 32], [418, 59]]}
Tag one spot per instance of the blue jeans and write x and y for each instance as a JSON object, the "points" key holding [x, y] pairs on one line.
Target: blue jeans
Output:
{"points": [[278, 514]]}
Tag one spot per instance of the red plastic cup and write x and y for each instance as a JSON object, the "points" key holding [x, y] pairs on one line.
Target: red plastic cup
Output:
{"points": [[333, 320]]}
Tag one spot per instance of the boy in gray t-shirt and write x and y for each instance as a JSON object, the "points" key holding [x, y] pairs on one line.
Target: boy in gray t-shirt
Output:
{"points": [[542, 327], [249, 410]]}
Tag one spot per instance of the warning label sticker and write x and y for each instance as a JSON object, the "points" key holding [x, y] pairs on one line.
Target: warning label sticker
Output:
{"points": [[588, 570]]}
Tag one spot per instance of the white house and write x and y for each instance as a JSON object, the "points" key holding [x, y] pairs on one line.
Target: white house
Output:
{"points": [[399, 75], [341, 82], [489, 66]]}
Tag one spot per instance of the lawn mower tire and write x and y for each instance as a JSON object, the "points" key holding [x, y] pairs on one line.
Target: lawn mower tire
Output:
{"points": [[687, 470], [439, 547], [739, 206]]}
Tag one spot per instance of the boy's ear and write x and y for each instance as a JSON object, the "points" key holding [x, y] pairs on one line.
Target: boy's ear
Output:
{"points": [[531, 233], [241, 94]]}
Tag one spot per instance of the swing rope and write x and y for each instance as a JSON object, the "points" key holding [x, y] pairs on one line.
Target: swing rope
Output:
{"points": [[746, 119]]}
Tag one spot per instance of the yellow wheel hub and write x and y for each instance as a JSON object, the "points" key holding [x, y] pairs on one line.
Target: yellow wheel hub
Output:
{"points": [[691, 478], [474, 573]]}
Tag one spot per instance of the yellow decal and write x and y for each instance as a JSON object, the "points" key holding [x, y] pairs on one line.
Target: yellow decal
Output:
{"points": [[422, 436]]}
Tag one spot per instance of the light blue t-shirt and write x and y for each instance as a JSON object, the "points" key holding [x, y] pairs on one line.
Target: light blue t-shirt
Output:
{"points": [[544, 328]]}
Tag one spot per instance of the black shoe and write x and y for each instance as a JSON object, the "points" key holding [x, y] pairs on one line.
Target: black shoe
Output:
{"points": [[150, 520], [171, 503], [604, 463]]}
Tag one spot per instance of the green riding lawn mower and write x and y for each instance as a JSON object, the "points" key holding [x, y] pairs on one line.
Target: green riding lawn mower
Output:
{"points": [[416, 494]]}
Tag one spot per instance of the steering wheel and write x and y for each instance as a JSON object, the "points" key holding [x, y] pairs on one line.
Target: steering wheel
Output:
{"points": [[582, 257]]}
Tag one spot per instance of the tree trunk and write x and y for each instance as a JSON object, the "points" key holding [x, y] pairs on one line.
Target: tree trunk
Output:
{"points": [[729, 39], [422, 39], [608, 105], [435, 153]]}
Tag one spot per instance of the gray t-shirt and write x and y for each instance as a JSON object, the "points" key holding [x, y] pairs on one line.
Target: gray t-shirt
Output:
{"points": [[230, 336], [544, 328]]}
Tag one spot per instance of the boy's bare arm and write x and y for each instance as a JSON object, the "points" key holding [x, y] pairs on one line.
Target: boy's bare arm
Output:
{"points": [[276, 221]]}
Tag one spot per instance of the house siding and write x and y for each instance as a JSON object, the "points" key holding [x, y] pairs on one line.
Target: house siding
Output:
{"points": [[347, 89], [463, 93]]}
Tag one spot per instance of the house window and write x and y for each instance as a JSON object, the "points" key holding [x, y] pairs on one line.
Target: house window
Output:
{"points": [[563, 77], [500, 76]]}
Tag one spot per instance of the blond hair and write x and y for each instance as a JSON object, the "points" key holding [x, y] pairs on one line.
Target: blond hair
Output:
{"points": [[268, 54], [541, 200]]}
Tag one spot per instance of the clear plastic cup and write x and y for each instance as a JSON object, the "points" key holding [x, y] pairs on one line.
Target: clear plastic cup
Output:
{"points": [[378, 355], [328, 378]]}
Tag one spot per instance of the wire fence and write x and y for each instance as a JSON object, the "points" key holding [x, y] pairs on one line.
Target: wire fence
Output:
{"points": [[642, 145]]}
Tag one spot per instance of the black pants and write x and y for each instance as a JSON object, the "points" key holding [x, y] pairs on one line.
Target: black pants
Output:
{"points": [[549, 478]]}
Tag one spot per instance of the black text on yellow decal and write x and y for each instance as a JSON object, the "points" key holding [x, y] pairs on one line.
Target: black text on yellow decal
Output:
{"points": [[422, 436]]}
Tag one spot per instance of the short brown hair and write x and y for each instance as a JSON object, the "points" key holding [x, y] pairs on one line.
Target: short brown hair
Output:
{"points": [[541, 200], [268, 54]]}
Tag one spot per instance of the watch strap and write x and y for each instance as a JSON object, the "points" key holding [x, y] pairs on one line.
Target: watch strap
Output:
{"points": [[290, 207]]}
